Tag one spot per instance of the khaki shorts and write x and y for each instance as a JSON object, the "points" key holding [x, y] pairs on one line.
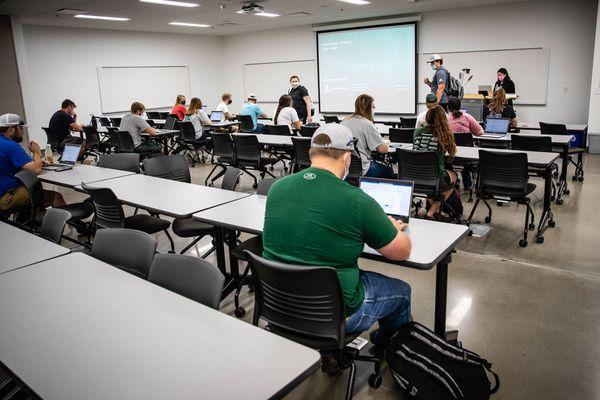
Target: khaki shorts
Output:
{"points": [[16, 197]]}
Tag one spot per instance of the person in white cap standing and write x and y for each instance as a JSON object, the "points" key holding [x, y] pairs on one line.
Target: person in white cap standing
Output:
{"points": [[315, 218], [254, 111], [439, 84], [14, 158]]}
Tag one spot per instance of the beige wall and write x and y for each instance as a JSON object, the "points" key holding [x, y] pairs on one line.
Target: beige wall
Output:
{"points": [[11, 100]]}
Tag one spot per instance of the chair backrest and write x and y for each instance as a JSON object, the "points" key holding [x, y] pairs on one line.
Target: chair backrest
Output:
{"points": [[223, 145], [52, 139], [163, 115], [408, 122], [502, 173], [301, 151], [463, 139], [53, 224], [553, 129], [191, 277], [109, 212], [116, 122], [173, 116], [246, 123], [104, 121], [92, 137], [152, 115], [355, 170], [247, 148], [151, 123], [531, 143], [125, 142], [421, 167], [264, 185], [173, 167], [127, 249], [231, 178], [401, 135], [300, 300], [331, 119], [121, 161], [186, 128], [308, 131], [34, 188], [278, 130]]}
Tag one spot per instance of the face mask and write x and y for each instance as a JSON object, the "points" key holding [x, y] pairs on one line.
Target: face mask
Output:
{"points": [[183, 102], [295, 85], [230, 101], [501, 78], [433, 67]]}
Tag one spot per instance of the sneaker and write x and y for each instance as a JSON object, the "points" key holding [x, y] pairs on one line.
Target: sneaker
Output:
{"points": [[378, 339]]}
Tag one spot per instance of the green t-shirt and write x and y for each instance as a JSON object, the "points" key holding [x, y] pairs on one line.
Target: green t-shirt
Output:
{"points": [[314, 218]]}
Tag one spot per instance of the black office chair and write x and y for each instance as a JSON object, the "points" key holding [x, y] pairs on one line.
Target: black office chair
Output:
{"points": [[109, 214], [355, 170], [308, 131], [246, 124], [278, 130], [401, 135], [305, 304], [301, 157], [125, 142], [223, 154], [163, 115], [189, 144], [504, 176], [116, 122], [560, 129], [53, 224], [248, 157], [52, 139], [331, 119], [465, 166], [130, 250], [408, 122], [121, 161], [189, 277], [104, 121], [113, 139], [153, 115], [535, 143], [93, 141], [151, 123]]}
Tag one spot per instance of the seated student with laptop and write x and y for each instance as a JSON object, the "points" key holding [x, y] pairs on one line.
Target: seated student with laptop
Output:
{"points": [[330, 227], [499, 108], [196, 115], [226, 115], [430, 102], [13, 158], [437, 136], [63, 122], [254, 111], [462, 122], [135, 125]]}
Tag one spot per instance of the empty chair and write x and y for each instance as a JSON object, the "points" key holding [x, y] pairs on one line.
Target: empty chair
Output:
{"points": [[151, 123], [109, 214], [535, 143], [463, 139], [408, 122], [190, 277], [127, 249], [305, 304], [248, 156], [104, 121], [401, 135], [223, 154], [163, 115], [246, 124], [152, 115], [504, 176], [560, 129], [116, 122], [121, 161], [278, 130], [331, 119], [465, 167], [301, 158], [53, 224], [308, 131]]}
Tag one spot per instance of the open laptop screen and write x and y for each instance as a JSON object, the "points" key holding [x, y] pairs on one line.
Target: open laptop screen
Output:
{"points": [[497, 125], [70, 153], [395, 197], [216, 116]]}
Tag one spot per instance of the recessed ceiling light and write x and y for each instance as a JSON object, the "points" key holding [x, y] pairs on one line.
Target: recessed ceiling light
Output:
{"points": [[357, 2], [101, 17], [266, 14], [189, 24], [171, 3]]}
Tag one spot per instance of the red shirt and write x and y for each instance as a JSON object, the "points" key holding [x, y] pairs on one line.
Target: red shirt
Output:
{"points": [[180, 111]]}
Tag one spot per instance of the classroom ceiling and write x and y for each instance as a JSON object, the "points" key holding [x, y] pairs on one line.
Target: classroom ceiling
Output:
{"points": [[219, 14]]}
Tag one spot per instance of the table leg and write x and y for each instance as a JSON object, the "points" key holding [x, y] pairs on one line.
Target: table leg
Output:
{"points": [[233, 277], [547, 216], [220, 250], [562, 182], [441, 291]]}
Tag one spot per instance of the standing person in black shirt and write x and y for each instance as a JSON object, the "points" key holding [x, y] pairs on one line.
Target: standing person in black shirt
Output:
{"points": [[505, 83], [300, 99], [63, 122]]}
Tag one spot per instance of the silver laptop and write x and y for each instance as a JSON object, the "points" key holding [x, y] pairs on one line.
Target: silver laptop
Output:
{"points": [[394, 196], [496, 127], [67, 160], [216, 116]]}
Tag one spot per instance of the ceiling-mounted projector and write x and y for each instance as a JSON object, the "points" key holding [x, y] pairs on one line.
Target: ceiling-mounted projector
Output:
{"points": [[252, 9]]}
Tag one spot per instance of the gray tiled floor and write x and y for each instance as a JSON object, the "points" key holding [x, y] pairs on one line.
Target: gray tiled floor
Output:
{"points": [[533, 312]]}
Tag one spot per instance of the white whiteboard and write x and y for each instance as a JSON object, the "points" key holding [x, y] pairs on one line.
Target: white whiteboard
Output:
{"points": [[528, 68], [155, 87], [270, 80]]}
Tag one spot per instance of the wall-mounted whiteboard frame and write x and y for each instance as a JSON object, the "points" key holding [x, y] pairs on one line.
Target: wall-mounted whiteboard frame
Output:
{"points": [[155, 86], [528, 68], [269, 80]]}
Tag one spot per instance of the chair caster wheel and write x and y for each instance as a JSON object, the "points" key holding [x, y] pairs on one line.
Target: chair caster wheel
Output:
{"points": [[240, 312], [559, 201], [254, 185], [469, 200], [470, 233], [375, 380], [574, 178], [171, 252], [488, 220], [567, 191], [551, 223], [551, 198], [531, 227], [580, 179], [539, 239], [523, 243], [499, 203], [555, 174]]}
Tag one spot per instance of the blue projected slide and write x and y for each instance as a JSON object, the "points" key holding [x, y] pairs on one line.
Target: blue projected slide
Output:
{"points": [[377, 61]]}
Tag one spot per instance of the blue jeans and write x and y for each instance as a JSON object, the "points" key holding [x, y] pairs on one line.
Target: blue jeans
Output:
{"points": [[379, 170], [387, 300]]}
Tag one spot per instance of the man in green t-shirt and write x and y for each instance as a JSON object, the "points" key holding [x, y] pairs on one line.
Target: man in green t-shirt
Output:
{"points": [[315, 218]]}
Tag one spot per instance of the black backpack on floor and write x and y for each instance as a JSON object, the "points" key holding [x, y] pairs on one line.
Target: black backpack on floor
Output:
{"points": [[429, 368]]}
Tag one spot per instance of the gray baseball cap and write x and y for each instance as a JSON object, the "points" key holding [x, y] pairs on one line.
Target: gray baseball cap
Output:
{"points": [[11, 120], [434, 57], [339, 135]]}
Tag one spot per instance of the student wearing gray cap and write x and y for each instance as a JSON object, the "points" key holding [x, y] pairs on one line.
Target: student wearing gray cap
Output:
{"points": [[439, 83], [315, 218], [13, 158]]}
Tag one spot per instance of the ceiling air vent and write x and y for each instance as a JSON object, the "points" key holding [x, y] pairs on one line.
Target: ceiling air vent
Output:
{"points": [[299, 14], [69, 11]]}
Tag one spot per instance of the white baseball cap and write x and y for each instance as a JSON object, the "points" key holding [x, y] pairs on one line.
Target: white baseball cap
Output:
{"points": [[339, 135], [11, 120], [434, 57], [251, 96]]}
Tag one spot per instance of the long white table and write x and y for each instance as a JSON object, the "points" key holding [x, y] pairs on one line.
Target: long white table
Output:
{"points": [[81, 173], [558, 140], [77, 328], [165, 196], [432, 242], [533, 126]]}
